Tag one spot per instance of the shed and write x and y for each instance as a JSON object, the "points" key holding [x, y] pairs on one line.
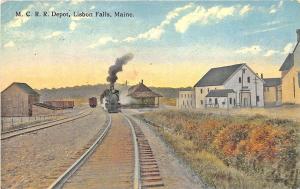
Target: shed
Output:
{"points": [[17, 100]]}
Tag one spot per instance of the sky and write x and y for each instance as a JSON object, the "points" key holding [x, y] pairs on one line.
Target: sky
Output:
{"points": [[174, 43]]}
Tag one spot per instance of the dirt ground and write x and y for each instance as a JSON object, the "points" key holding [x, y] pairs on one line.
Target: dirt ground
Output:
{"points": [[36, 159]]}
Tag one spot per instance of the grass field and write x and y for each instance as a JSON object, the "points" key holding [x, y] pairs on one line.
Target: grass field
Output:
{"points": [[233, 151]]}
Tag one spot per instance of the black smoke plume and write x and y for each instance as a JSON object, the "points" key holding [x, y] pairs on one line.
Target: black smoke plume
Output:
{"points": [[117, 67]]}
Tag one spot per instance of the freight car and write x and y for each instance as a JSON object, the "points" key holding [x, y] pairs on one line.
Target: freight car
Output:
{"points": [[62, 104], [93, 102]]}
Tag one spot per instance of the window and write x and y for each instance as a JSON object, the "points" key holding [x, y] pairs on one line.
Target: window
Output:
{"points": [[201, 91], [230, 100], [207, 89], [234, 102], [248, 79], [299, 79], [240, 80], [210, 100], [294, 85], [244, 70], [257, 98], [216, 101], [183, 102], [201, 102]]}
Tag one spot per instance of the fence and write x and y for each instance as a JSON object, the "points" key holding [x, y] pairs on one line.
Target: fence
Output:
{"points": [[9, 123]]}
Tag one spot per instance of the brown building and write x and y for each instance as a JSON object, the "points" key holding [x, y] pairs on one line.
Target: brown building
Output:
{"points": [[141, 96], [272, 91], [17, 100]]}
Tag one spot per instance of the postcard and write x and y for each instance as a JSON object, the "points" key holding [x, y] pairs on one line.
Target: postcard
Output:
{"points": [[150, 94]]}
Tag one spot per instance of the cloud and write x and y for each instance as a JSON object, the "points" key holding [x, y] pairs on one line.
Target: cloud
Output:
{"points": [[9, 44], [254, 49], [75, 2], [73, 26], [276, 22], [156, 32], [51, 9], [103, 41], [265, 30], [271, 53], [92, 7], [288, 48], [20, 20], [53, 34], [203, 16], [298, 1], [245, 10], [275, 8]]}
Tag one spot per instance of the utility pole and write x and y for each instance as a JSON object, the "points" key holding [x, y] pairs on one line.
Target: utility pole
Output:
{"points": [[255, 81]]}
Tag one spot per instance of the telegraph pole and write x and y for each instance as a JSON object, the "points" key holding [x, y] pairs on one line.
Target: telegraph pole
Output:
{"points": [[255, 81]]}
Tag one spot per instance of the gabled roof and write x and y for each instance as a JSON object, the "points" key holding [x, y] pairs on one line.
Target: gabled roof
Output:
{"points": [[288, 63], [217, 76], [272, 82], [219, 93], [26, 88], [141, 91]]}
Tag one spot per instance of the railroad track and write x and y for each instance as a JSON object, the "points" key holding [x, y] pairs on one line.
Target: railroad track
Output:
{"points": [[120, 157], [36, 127], [149, 171]]}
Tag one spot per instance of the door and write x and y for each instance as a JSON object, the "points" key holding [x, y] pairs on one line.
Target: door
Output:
{"points": [[246, 99]]}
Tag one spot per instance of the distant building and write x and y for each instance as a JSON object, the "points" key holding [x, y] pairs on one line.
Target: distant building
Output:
{"points": [[290, 75], [141, 96], [17, 100], [272, 91], [227, 87], [186, 100]]}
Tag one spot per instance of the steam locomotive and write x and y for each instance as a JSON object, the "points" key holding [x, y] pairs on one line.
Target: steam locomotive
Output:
{"points": [[111, 96]]}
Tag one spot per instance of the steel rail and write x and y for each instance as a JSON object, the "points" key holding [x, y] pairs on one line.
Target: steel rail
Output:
{"points": [[137, 169], [40, 127], [58, 183]]}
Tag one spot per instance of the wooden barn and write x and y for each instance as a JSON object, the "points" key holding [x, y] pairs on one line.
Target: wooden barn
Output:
{"points": [[141, 96], [17, 100]]}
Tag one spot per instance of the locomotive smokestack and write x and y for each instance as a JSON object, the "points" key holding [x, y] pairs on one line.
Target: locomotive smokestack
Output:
{"points": [[117, 67]]}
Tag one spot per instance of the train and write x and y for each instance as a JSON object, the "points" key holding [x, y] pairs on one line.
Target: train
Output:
{"points": [[112, 98], [93, 102]]}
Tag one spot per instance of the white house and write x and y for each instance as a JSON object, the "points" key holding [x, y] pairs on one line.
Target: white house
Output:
{"points": [[229, 86], [186, 100], [221, 98]]}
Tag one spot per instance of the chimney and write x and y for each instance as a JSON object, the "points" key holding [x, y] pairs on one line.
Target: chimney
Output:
{"points": [[261, 75], [142, 81], [298, 35]]}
